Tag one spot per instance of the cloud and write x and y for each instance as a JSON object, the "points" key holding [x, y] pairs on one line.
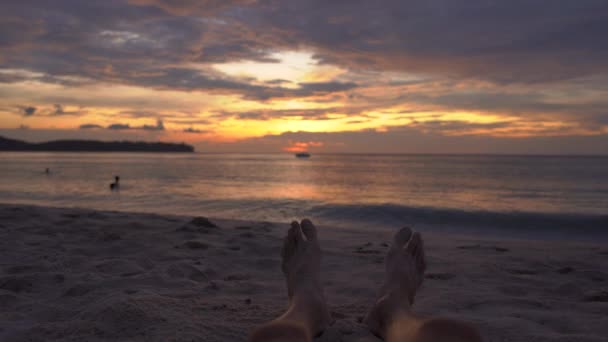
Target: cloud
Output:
{"points": [[326, 87], [277, 81], [460, 55], [29, 111], [160, 126], [194, 130], [118, 126], [461, 38], [90, 126]]}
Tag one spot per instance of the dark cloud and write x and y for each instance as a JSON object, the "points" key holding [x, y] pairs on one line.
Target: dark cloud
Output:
{"points": [[90, 126], [29, 111], [236, 51], [551, 40], [308, 114], [191, 7], [118, 126], [153, 43], [194, 130], [277, 81], [451, 126], [160, 126], [325, 87]]}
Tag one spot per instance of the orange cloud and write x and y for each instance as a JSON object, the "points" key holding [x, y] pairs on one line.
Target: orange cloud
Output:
{"points": [[301, 146]]}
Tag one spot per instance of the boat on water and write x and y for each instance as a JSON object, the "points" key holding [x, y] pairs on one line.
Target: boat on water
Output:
{"points": [[303, 155]]}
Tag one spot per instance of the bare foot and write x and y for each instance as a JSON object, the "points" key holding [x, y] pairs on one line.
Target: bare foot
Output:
{"points": [[405, 266], [301, 264]]}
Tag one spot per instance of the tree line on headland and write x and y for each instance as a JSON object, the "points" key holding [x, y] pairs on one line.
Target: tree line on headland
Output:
{"points": [[93, 146]]}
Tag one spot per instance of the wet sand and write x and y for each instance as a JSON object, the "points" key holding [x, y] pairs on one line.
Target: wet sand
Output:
{"points": [[84, 275]]}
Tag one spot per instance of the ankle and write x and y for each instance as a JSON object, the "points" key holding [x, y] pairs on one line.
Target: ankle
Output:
{"points": [[390, 307], [309, 307]]}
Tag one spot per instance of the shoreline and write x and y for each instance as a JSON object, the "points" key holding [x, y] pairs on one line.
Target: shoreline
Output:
{"points": [[537, 226], [83, 274]]}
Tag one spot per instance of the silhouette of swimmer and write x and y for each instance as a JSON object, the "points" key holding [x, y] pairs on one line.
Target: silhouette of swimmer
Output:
{"points": [[115, 185]]}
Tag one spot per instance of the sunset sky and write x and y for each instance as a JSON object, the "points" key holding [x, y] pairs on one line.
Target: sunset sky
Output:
{"points": [[450, 76]]}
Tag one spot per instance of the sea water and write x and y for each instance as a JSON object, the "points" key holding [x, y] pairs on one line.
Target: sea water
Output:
{"points": [[508, 194]]}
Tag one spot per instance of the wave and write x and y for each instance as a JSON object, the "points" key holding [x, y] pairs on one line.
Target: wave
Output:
{"points": [[531, 222]]}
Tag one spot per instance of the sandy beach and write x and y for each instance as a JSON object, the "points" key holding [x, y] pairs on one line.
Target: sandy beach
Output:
{"points": [[85, 275]]}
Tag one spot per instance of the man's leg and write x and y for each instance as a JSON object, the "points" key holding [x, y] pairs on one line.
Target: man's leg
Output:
{"points": [[307, 313], [391, 318]]}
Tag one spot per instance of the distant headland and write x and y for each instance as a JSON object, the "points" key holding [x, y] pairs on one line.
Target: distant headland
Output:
{"points": [[92, 146]]}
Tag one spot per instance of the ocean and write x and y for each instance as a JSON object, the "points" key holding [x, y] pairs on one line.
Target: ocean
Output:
{"points": [[508, 195]]}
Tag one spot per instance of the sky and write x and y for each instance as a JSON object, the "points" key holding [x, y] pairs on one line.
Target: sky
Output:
{"points": [[392, 76]]}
